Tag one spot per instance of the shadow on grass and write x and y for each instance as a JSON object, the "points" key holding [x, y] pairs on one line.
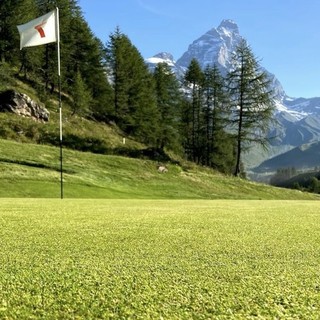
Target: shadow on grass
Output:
{"points": [[36, 165]]}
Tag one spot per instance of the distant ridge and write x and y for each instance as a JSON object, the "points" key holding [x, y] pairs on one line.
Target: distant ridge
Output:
{"points": [[301, 158]]}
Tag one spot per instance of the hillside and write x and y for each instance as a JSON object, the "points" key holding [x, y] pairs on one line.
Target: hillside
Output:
{"points": [[30, 170], [98, 165], [303, 157]]}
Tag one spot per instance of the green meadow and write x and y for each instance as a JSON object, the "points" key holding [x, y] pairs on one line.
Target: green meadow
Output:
{"points": [[159, 259], [33, 171]]}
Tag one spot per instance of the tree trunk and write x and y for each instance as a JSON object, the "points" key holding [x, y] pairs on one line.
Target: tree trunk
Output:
{"points": [[239, 139]]}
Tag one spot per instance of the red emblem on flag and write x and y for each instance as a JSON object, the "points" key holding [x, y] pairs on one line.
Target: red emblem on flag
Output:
{"points": [[40, 29]]}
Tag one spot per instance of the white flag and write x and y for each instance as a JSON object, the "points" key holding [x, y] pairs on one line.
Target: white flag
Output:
{"points": [[39, 31]]}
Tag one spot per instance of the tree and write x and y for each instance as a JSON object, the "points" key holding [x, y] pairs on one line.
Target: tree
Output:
{"points": [[6, 76], [219, 145], [81, 52], [252, 101], [135, 108], [81, 96], [314, 185], [13, 13], [186, 126], [194, 81], [119, 66], [86, 54], [168, 103], [9, 37]]}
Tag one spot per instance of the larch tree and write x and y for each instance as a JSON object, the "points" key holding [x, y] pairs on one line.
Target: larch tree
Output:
{"points": [[169, 99], [81, 96], [135, 109], [194, 81], [81, 52], [13, 13], [219, 145], [251, 100]]}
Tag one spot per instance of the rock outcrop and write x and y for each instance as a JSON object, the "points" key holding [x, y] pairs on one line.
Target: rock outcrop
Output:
{"points": [[22, 105]]}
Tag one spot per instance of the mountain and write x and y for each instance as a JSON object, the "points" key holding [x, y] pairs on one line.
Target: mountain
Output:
{"points": [[162, 57], [295, 132], [165, 57], [304, 157], [214, 47], [297, 120]]}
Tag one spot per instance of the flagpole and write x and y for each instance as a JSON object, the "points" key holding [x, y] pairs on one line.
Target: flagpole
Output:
{"points": [[60, 104]]}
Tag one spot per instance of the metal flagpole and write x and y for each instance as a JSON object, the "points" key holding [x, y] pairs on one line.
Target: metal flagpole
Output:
{"points": [[60, 104]]}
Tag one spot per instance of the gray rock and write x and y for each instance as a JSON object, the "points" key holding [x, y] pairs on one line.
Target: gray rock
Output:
{"points": [[22, 105]]}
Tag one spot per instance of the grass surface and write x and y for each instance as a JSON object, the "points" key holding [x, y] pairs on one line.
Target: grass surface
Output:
{"points": [[159, 259], [30, 170]]}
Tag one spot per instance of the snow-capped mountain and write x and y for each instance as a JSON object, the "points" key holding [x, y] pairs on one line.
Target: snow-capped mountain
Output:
{"points": [[162, 57], [298, 120], [165, 57], [214, 47]]}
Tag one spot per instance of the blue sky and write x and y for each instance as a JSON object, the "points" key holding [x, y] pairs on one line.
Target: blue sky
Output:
{"points": [[284, 34]]}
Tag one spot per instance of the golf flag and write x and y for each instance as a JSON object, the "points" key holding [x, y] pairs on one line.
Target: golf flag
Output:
{"points": [[39, 31]]}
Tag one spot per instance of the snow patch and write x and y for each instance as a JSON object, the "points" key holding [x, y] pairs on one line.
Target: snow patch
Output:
{"points": [[298, 115], [155, 60]]}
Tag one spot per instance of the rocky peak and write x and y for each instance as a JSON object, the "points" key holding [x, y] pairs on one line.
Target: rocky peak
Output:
{"points": [[217, 47], [162, 57], [228, 25], [165, 56], [214, 47]]}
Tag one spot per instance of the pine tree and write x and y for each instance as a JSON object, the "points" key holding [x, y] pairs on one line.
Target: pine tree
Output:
{"points": [[219, 146], [81, 96], [251, 100], [30, 58], [118, 63], [6, 76], [86, 54], [13, 13], [169, 104], [9, 39], [134, 95], [314, 185], [80, 51], [194, 80], [98, 83], [186, 127]]}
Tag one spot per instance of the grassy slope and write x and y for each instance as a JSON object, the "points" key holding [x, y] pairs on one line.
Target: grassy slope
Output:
{"points": [[30, 170], [159, 259], [78, 133]]}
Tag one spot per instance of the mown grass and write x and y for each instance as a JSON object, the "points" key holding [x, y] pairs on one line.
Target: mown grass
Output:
{"points": [[31, 170], [159, 259]]}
